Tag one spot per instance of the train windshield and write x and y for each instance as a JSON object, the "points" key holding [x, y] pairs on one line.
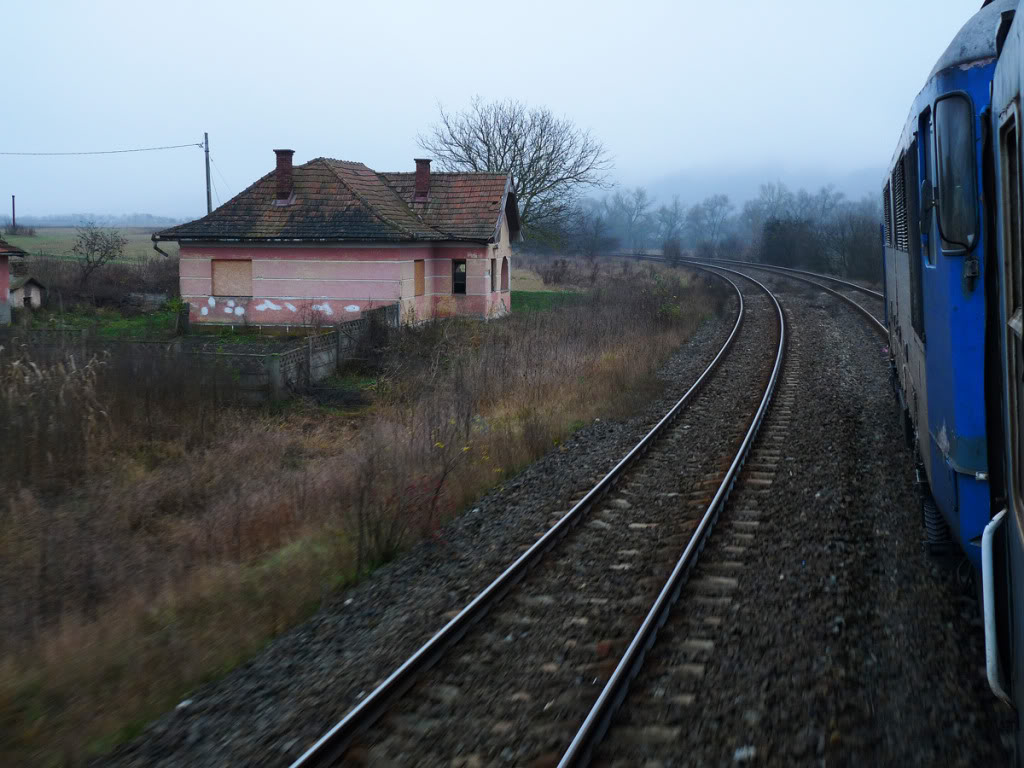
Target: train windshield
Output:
{"points": [[957, 172]]}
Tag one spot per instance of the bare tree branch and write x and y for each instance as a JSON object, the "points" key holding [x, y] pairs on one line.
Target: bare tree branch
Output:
{"points": [[551, 160]]}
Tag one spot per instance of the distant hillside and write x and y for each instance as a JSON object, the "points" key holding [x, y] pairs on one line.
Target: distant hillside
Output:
{"points": [[141, 220], [742, 185]]}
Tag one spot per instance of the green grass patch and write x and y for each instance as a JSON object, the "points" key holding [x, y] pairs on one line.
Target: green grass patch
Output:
{"points": [[543, 301], [107, 323]]}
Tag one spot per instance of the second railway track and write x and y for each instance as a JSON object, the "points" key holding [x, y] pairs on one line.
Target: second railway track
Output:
{"points": [[519, 684]]}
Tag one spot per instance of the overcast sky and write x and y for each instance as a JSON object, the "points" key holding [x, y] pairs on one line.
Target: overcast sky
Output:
{"points": [[809, 85]]}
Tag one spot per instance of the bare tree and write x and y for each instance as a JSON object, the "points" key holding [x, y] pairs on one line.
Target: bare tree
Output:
{"points": [[96, 247], [592, 232], [550, 159], [717, 209], [632, 210], [670, 220]]}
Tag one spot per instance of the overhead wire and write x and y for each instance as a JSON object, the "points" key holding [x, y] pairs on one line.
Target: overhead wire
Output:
{"points": [[106, 151], [227, 185]]}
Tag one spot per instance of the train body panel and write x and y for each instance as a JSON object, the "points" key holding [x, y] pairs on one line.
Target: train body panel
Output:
{"points": [[1006, 129], [935, 302]]}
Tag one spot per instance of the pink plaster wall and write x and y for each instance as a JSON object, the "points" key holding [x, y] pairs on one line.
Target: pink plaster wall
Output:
{"points": [[290, 283]]}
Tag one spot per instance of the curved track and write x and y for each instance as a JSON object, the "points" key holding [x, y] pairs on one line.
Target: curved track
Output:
{"points": [[653, 529], [587, 738], [805, 277]]}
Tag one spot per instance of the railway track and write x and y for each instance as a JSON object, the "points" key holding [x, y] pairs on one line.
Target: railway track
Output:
{"points": [[868, 302], [512, 679]]}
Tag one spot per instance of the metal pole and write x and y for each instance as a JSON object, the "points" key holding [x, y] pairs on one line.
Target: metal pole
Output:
{"points": [[14, 219], [206, 145]]}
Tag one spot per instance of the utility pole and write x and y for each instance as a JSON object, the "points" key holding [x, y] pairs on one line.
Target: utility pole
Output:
{"points": [[14, 219], [206, 146]]}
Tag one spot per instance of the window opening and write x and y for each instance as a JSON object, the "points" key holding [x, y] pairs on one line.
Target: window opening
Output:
{"points": [[504, 274], [494, 275], [458, 276], [420, 277], [956, 169], [231, 277]]}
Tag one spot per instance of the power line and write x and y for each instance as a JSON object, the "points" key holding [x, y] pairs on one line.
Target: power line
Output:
{"points": [[106, 151], [227, 187]]}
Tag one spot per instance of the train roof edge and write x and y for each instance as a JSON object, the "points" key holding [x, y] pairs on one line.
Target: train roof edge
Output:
{"points": [[976, 39]]}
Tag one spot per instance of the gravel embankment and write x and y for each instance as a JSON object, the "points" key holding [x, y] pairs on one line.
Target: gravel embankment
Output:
{"points": [[270, 709], [847, 644]]}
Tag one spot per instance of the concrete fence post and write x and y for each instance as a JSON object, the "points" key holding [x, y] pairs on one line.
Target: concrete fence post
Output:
{"points": [[273, 364], [309, 359]]}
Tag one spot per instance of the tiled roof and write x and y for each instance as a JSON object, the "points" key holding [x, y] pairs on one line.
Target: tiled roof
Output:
{"points": [[466, 205], [22, 281], [337, 200], [6, 249]]}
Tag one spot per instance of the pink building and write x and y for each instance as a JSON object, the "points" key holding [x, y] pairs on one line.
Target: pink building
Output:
{"points": [[328, 239], [7, 251]]}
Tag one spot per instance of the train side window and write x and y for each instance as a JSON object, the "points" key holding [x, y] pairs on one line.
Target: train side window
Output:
{"points": [[957, 172], [914, 240], [1009, 150]]}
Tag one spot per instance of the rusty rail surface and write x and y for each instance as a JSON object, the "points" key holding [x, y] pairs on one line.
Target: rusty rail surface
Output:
{"points": [[333, 744], [876, 324], [793, 271], [590, 734]]}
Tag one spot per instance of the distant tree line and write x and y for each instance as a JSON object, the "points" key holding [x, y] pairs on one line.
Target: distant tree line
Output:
{"points": [[819, 231], [139, 220]]}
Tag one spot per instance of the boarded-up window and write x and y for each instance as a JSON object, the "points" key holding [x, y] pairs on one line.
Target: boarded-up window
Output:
{"points": [[232, 277], [420, 279]]}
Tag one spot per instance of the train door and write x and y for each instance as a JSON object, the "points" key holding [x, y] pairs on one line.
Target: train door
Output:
{"points": [[1011, 627], [927, 185], [1014, 332]]}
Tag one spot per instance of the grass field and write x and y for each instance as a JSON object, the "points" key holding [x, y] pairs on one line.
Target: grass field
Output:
{"points": [[58, 241], [541, 301]]}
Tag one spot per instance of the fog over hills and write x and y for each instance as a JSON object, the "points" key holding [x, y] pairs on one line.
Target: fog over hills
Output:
{"points": [[142, 220], [740, 185], [692, 186]]}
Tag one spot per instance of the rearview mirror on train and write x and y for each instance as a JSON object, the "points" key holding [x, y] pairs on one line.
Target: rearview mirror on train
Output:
{"points": [[957, 172]]}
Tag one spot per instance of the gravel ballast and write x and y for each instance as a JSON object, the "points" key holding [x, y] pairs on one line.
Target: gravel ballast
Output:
{"points": [[846, 644]]}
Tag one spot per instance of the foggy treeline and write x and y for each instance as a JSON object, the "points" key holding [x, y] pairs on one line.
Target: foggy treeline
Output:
{"points": [[140, 220], [820, 231]]}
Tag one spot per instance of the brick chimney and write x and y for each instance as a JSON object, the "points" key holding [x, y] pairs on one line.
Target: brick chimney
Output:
{"points": [[283, 176], [422, 178]]}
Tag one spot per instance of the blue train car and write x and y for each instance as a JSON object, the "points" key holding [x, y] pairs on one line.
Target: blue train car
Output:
{"points": [[935, 283], [1003, 540]]}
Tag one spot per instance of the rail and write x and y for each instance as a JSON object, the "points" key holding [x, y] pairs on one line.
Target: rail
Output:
{"points": [[876, 324], [775, 267], [333, 744], [596, 724]]}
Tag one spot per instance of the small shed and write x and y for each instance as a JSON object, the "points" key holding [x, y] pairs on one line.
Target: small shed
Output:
{"points": [[26, 292], [7, 251]]}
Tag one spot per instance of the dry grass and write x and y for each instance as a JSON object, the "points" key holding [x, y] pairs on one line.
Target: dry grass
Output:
{"points": [[528, 280], [164, 558]]}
